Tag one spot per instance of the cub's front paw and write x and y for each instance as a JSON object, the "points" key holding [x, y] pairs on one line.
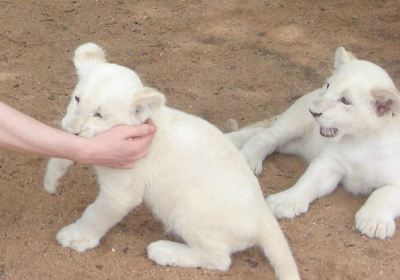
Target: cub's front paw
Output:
{"points": [[50, 184], [72, 236], [287, 204], [374, 223]]}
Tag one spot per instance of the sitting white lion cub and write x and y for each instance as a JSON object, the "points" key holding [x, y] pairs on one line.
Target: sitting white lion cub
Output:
{"points": [[193, 179], [349, 130]]}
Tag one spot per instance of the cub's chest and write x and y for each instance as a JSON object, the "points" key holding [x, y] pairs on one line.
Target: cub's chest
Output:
{"points": [[370, 165]]}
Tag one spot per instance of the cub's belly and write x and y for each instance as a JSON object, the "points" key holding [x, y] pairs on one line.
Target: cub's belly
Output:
{"points": [[369, 172], [363, 179]]}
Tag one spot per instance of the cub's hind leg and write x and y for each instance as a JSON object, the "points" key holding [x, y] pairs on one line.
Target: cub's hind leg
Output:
{"points": [[165, 252], [240, 137], [203, 247], [287, 127]]}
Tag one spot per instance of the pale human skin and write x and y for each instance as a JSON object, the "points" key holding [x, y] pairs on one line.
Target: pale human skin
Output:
{"points": [[118, 147]]}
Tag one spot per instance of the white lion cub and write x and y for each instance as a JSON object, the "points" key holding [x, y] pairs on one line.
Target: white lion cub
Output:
{"points": [[349, 130], [193, 179]]}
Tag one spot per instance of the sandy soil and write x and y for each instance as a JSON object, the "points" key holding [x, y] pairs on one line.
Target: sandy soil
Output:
{"points": [[216, 59]]}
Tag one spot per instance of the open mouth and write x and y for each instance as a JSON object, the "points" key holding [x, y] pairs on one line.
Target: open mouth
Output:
{"points": [[328, 131]]}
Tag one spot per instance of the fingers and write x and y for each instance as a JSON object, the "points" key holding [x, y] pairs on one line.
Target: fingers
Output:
{"points": [[138, 149], [120, 146], [136, 131], [141, 142]]}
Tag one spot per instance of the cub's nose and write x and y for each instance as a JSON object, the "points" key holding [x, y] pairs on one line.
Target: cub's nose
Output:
{"points": [[315, 115]]}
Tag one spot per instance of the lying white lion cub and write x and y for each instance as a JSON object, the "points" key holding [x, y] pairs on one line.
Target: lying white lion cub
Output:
{"points": [[193, 179], [349, 130]]}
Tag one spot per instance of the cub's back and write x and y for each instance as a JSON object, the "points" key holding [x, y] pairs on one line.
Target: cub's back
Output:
{"points": [[186, 141], [195, 167]]}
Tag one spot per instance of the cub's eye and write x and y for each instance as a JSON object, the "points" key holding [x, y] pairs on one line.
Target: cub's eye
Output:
{"points": [[345, 101], [327, 85], [98, 115], [77, 99]]}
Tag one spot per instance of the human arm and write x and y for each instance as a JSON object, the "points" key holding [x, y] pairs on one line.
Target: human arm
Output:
{"points": [[118, 147]]}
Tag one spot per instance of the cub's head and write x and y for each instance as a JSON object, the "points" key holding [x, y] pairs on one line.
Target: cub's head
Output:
{"points": [[356, 100], [106, 95]]}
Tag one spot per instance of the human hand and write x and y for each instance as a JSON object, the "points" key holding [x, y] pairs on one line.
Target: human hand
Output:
{"points": [[120, 146]]}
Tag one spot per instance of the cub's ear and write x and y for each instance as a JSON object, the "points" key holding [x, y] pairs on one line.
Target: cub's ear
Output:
{"points": [[87, 55], [342, 56], [145, 102], [385, 102]]}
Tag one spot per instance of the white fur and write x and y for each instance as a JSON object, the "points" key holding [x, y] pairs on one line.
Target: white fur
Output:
{"points": [[193, 179], [360, 147]]}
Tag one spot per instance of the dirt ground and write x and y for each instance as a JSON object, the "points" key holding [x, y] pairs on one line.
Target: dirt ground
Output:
{"points": [[246, 60]]}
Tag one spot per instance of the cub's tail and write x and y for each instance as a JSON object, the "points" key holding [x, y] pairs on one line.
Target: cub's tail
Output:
{"points": [[277, 250], [87, 55]]}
